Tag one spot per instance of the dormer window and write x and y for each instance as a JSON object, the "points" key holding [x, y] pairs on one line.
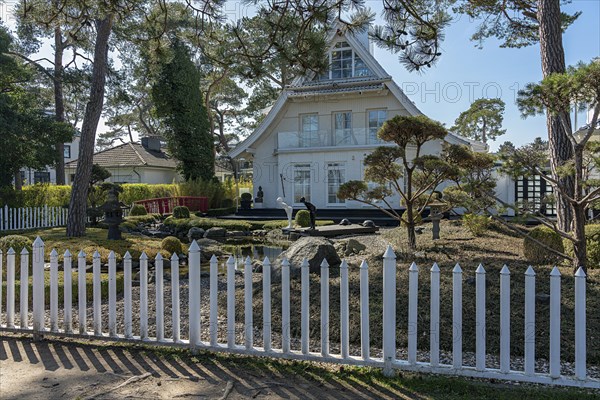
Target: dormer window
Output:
{"points": [[344, 63]]}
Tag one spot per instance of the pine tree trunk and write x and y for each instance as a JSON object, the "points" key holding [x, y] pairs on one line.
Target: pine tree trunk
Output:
{"points": [[93, 110], [59, 105], [553, 61], [18, 181], [580, 245]]}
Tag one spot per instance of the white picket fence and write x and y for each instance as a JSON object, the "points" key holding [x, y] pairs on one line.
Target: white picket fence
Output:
{"points": [[32, 217], [64, 327]]}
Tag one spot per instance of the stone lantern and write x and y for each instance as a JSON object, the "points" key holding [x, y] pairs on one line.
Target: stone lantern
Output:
{"points": [[113, 212], [435, 215]]}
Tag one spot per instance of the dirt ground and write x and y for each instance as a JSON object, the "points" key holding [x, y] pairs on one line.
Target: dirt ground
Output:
{"points": [[72, 370]]}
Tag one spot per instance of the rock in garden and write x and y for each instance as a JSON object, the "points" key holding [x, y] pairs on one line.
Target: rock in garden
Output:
{"points": [[354, 247], [195, 233], [215, 232], [314, 249], [236, 233]]}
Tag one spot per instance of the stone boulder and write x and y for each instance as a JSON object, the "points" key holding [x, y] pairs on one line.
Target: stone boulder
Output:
{"points": [[354, 247], [215, 232], [195, 233], [314, 249]]}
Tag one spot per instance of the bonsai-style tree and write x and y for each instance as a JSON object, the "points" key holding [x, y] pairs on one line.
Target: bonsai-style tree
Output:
{"points": [[404, 170], [97, 192], [482, 121], [557, 94]]}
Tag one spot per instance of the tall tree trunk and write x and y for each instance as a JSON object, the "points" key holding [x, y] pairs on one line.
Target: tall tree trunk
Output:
{"points": [[93, 110], [18, 181], [59, 104], [553, 61]]}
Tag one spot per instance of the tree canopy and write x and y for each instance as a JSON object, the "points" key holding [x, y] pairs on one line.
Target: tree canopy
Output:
{"points": [[482, 121]]}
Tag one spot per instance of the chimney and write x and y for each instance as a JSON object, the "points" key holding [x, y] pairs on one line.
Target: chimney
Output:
{"points": [[151, 143]]}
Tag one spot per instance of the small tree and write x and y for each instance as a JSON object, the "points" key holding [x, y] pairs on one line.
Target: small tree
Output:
{"points": [[179, 104], [557, 93], [404, 169], [482, 121]]}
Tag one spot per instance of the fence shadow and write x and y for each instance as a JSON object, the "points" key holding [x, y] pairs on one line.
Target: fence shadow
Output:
{"points": [[251, 376]]}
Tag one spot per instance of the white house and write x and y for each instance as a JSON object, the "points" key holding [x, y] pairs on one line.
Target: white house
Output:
{"points": [[318, 132], [30, 176], [134, 163]]}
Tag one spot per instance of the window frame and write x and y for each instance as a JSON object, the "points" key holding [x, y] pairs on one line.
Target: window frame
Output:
{"points": [[65, 148], [302, 167], [335, 166], [374, 139]]}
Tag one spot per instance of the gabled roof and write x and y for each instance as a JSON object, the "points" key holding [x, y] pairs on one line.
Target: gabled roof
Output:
{"points": [[305, 85], [130, 155]]}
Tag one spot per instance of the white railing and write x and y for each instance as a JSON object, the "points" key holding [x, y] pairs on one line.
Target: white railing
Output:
{"points": [[328, 138], [32, 217], [46, 319]]}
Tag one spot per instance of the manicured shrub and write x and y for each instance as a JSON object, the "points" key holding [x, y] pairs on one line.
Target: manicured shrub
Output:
{"points": [[535, 253], [137, 210], [246, 197], [303, 218], [17, 242], [592, 236], [181, 212], [172, 245], [476, 224]]}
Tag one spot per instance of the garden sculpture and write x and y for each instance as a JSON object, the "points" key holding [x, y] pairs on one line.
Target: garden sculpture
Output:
{"points": [[259, 195], [288, 210], [312, 210]]}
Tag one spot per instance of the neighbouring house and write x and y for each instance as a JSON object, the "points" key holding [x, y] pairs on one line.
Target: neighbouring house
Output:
{"points": [[144, 162], [318, 132], [533, 190], [30, 176]]}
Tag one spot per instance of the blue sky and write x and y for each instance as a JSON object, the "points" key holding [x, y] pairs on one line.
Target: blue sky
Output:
{"points": [[465, 72]]}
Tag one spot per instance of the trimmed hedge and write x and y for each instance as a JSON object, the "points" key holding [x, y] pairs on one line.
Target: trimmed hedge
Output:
{"points": [[303, 218], [172, 245], [218, 212], [535, 253], [207, 223]]}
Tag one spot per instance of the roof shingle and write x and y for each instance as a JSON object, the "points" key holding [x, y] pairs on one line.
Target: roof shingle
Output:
{"points": [[130, 155]]}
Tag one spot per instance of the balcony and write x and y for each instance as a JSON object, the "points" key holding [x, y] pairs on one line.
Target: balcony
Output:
{"points": [[327, 138]]}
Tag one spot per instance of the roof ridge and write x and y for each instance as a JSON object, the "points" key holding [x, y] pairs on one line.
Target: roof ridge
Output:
{"points": [[138, 154]]}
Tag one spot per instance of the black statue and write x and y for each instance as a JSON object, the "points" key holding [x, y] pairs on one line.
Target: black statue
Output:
{"points": [[259, 195], [312, 210], [113, 210]]}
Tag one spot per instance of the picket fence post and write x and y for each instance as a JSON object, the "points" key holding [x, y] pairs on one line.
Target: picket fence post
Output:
{"points": [[555, 306], [457, 338], [529, 340], [230, 302], [365, 340], [112, 294], [194, 294], [305, 310], [175, 303], [10, 288], [413, 297], [81, 292], [97, 293], [213, 300], [38, 288], [344, 311], [24, 293], [285, 306], [480, 324], [267, 304], [389, 310], [160, 299], [580, 325], [54, 291], [127, 301], [505, 320], [68, 291], [248, 320], [434, 309], [325, 308]]}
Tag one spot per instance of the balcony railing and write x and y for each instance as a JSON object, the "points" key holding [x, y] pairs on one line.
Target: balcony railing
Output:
{"points": [[328, 138]]}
